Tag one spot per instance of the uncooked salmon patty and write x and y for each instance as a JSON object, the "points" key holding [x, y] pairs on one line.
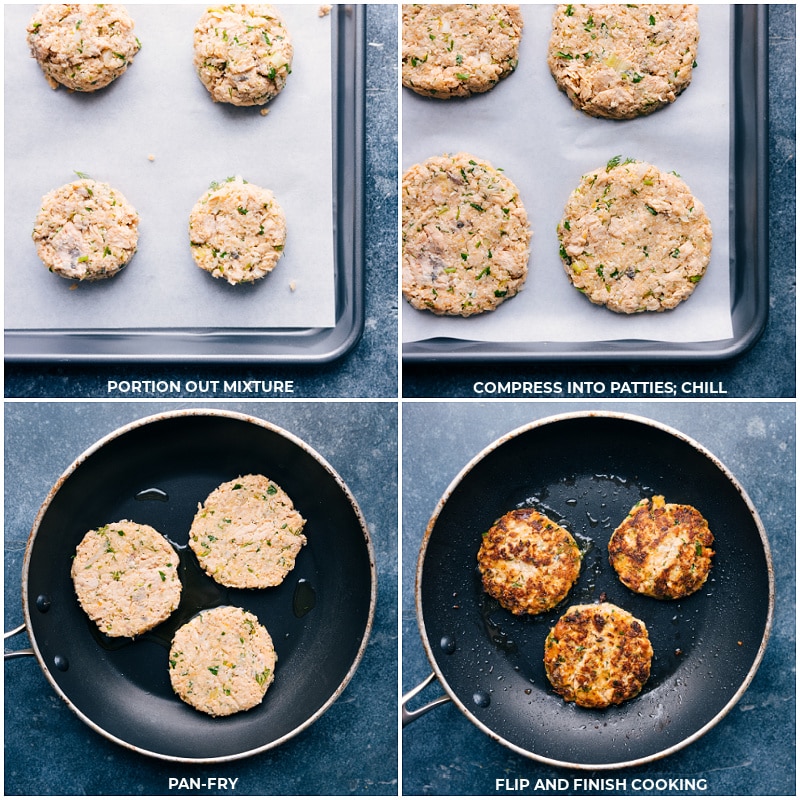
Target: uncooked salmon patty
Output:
{"points": [[459, 50], [126, 578], [86, 230], [598, 655], [634, 238], [662, 550], [222, 661], [237, 231], [242, 53], [465, 236], [81, 46], [528, 563], [623, 61], [247, 534]]}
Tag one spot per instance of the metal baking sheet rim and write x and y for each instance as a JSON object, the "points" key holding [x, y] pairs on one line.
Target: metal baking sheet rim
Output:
{"points": [[239, 345], [749, 239]]}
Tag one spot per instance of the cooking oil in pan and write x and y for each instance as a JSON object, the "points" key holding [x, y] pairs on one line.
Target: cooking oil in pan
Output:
{"points": [[304, 598], [152, 494]]}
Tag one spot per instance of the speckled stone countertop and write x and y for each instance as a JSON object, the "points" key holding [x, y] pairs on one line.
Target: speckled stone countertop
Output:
{"points": [[768, 368], [751, 750], [370, 368], [350, 749]]}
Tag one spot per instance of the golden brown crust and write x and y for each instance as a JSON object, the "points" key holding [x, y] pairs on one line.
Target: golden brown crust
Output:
{"points": [[662, 550], [598, 655], [528, 563]]}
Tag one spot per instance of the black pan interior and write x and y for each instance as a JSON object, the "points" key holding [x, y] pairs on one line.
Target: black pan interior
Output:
{"points": [[587, 472], [157, 473]]}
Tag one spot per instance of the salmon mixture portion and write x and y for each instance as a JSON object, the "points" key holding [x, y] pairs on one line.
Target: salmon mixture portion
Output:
{"points": [[459, 50], [242, 53], [663, 550], [634, 238], [466, 236], [222, 661], [623, 61], [126, 578], [598, 655], [528, 563], [247, 534], [82, 46], [86, 230], [237, 231]]}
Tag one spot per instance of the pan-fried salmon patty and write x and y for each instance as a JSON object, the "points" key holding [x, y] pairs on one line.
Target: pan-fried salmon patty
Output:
{"points": [[662, 550], [528, 562], [598, 655]]}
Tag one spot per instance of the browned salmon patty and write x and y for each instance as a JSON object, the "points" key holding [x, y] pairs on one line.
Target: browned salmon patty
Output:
{"points": [[528, 563], [598, 655], [662, 550]]}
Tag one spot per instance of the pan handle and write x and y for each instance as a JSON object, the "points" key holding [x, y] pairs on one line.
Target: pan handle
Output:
{"points": [[17, 653], [410, 716]]}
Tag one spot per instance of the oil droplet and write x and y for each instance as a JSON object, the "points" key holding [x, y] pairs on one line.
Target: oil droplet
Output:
{"points": [[152, 494], [448, 645], [61, 663], [481, 699], [43, 603], [305, 598]]}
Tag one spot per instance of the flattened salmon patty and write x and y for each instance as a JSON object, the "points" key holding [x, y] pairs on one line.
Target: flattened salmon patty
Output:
{"points": [[459, 50], [247, 534], [598, 655], [126, 577], [634, 238], [222, 661], [623, 61], [528, 563], [662, 550], [466, 236]]}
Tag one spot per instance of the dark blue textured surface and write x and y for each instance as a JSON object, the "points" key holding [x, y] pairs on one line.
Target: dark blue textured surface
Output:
{"points": [[751, 751], [370, 369], [350, 750], [768, 369]]}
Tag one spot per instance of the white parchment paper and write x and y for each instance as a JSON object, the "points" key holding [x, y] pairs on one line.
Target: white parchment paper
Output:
{"points": [[528, 127], [159, 107]]}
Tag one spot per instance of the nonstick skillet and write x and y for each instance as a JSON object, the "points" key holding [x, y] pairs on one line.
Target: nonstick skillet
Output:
{"points": [[156, 471], [586, 471]]}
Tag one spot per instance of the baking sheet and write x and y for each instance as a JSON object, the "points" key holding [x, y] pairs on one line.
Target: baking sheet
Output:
{"points": [[529, 128], [159, 107]]}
